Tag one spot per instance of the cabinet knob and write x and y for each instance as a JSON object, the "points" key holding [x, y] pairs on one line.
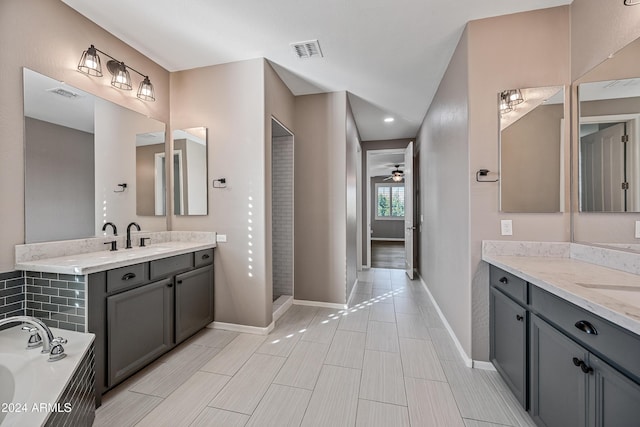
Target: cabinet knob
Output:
{"points": [[179, 282], [583, 366], [206, 256], [519, 318], [586, 327], [170, 285], [128, 276], [504, 280]]}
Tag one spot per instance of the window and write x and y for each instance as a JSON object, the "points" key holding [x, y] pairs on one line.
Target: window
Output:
{"points": [[389, 201]]}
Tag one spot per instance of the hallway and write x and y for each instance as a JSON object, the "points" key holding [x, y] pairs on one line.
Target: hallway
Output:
{"points": [[387, 361], [387, 254]]}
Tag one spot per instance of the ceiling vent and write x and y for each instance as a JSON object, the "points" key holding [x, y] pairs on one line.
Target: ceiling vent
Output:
{"points": [[308, 49], [64, 92]]}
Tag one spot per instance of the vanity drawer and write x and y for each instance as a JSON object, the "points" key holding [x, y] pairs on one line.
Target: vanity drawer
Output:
{"points": [[509, 284], [619, 346], [169, 266], [126, 277], [204, 257]]}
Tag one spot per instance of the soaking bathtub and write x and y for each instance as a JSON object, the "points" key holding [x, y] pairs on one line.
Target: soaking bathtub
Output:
{"points": [[30, 386]]}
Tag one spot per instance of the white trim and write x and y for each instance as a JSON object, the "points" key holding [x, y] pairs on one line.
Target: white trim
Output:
{"points": [[319, 304], [389, 239], [467, 360], [282, 309], [485, 366], [256, 330], [353, 290]]}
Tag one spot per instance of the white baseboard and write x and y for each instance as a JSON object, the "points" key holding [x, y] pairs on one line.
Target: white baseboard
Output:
{"points": [[353, 289], [388, 239], [467, 360], [282, 309], [319, 304], [486, 366], [256, 330]]}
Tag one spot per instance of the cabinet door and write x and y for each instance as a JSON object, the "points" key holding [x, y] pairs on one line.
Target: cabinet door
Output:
{"points": [[617, 398], [139, 325], [558, 386], [194, 302], [508, 324]]}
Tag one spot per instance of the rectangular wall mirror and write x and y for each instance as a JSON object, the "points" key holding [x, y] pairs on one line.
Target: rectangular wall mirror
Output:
{"points": [[79, 149], [532, 149], [609, 146], [190, 171]]}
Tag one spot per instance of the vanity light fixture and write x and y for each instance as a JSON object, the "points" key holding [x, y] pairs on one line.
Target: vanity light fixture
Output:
{"points": [[503, 102], [90, 64], [515, 97]]}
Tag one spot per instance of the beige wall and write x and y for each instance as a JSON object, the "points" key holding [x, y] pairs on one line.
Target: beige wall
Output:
{"points": [[443, 148], [211, 97], [320, 197], [49, 37], [353, 150]]}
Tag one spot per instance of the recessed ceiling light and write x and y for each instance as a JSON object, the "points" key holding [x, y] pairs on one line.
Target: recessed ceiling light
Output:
{"points": [[388, 119]]}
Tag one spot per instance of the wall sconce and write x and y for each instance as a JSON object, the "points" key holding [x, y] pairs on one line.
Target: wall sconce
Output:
{"points": [[508, 99], [90, 64]]}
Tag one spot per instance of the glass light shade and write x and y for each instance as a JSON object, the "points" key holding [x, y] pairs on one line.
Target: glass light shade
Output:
{"points": [[515, 97], [145, 90], [504, 105], [121, 78], [397, 177], [90, 62]]}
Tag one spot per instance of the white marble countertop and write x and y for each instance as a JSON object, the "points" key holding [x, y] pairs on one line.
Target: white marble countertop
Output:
{"points": [[86, 256], [611, 294], [40, 381]]}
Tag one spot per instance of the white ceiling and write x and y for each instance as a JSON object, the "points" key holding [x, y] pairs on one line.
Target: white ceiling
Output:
{"points": [[389, 54], [383, 162]]}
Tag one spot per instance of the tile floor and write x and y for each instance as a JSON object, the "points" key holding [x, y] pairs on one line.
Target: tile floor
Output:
{"points": [[387, 361]]}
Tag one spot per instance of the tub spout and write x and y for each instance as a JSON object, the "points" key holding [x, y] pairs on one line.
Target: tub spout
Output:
{"points": [[43, 329]]}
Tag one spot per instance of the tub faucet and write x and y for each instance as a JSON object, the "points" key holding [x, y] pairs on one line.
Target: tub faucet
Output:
{"points": [[50, 345], [115, 229], [128, 246]]}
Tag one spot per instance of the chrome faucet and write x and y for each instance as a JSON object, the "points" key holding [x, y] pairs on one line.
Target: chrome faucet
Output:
{"points": [[115, 229], [128, 246], [40, 332]]}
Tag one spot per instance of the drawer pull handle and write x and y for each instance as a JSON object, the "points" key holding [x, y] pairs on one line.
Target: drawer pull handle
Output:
{"points": [[504, 280], [179, 282], [583, 366], [519, 318], [586, 327], [205, 256], [170, 285], [128, 276]]}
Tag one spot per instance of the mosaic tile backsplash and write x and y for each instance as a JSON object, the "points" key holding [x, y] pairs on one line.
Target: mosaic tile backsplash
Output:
{"points": [[12, 297]]}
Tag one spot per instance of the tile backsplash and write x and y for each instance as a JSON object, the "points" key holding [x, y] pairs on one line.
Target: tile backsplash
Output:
{"points": [[12, 296]]}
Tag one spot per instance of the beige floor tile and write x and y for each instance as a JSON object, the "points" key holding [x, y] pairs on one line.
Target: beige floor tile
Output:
{"points": [[184, 405], [381, 284], [476, 396], [444, 345], [296, 318], [405, 305], [210, 417], [281, 407], [356, 322], [213, 337], [124, 408], [281, 343], [420, 360], [358, 298], [303, 365], [381, 296], [476, 423], [382, 336], [234, 355], [347, 349], [382, 313], [431, 403], [322, 327], [244, 391], [164, 378], [334, 401], [376, 414], [412, 326], [382, 378]]}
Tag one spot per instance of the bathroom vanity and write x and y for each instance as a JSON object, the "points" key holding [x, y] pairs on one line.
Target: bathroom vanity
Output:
{"points": [[139, 303], [565, 336]]}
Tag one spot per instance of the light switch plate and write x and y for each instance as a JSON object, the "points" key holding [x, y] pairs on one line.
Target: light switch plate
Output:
{"points": [[506, 227], [637, 229], [221, 238]]}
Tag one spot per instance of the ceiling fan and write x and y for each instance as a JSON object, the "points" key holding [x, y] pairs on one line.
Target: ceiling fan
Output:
{"points": [[397, 175]]}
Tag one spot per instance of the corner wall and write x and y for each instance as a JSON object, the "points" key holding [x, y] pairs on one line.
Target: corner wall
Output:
{"points": [[48, 37]]}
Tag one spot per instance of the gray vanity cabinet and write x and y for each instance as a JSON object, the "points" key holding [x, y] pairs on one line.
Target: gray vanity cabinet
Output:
{"points": [[194, 302], [508, 343], [558, 386], [139, 325], [616, 397]]}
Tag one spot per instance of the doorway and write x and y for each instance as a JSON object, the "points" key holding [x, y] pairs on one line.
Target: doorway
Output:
{"points": [[282, 212]]}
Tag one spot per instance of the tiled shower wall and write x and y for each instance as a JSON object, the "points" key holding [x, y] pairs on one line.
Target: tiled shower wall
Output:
{"points": [[12, 297], [282, 219]]}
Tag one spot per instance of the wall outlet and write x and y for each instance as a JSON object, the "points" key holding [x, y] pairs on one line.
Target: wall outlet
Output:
{"points": [[506, 227], [221, 238], [637, 229]]}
